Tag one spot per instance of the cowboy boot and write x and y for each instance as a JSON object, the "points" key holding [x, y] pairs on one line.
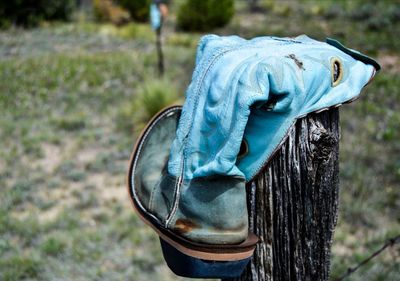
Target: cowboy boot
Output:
{"points": [[189, 169]]}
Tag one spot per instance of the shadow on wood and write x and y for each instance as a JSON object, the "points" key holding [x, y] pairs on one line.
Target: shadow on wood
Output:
{"points": [[293, 204]]}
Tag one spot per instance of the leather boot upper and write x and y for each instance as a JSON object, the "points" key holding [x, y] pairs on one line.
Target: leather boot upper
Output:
{"points": [[252, 91], [191, 167]]}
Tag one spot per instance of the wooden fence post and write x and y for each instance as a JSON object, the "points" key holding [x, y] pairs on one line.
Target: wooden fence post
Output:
{"points": [[293, 204]]}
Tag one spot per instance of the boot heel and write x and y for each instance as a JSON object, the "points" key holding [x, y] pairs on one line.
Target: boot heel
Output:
{"points": [[187, 266]]}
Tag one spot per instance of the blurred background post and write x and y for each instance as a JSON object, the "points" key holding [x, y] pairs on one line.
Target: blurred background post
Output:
{"points": [[158, 13]]}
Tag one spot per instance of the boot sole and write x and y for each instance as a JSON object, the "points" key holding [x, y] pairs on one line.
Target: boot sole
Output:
{"points": [[201, 251]]}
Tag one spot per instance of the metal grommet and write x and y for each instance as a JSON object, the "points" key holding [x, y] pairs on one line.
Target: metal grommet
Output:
{"points": [[336, 71], [244, 149]]}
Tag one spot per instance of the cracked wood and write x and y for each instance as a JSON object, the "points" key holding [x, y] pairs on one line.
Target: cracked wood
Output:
{"points": [[293, 204]]}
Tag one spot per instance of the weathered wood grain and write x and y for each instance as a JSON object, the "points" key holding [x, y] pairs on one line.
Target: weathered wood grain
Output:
{"points": [[293, 204]]}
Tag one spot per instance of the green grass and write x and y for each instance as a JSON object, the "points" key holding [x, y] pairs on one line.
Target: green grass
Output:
{"points": [[19, 268], [73, 97], [152, 97], [53, 246]]}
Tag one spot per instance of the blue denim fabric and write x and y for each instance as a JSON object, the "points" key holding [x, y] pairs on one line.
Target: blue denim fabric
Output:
{"points": [[254, 90]]}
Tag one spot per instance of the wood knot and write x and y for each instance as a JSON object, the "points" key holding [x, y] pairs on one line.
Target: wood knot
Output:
{"points": [[322, 142]]}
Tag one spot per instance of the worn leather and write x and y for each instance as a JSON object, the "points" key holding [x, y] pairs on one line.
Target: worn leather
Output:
{"points": [[154, 191], [210, 210], [190, 172], [254, 90]]}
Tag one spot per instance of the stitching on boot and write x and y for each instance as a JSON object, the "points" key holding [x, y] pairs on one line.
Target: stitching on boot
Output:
{"points": [[177, 190], [134, 192], [151, 201]]}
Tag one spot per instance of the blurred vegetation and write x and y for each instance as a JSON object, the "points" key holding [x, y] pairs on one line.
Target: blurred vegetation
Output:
{"points": [[152, 97], [204, 15], [138, 9], [70, 96], [30, 13], [107, 11]]}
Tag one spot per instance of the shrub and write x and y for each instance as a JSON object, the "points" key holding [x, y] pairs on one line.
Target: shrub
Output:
{"points": [[394, 14], [137, 31], [29, 13], [154, 96], [72, 122], [107, 11], [204, 15], [58, 9], [363, 12], [20, 267], [377, 23], [138, 9], [53, 246], [333, 11]]}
